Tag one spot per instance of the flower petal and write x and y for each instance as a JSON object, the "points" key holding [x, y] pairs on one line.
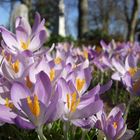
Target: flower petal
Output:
{"points": [[23, 123], [83, 123], [38, 40], [18, 92], [43, 87], [25, 25], [6, 114], [9, 38], [115, 110], [21, 35], [88, 110]]}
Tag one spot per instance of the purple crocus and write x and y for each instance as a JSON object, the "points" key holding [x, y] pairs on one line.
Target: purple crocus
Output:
{"points": [[32, 110], [102, 62], [78, 107], [25, 37], [49, 67], [81, 79], [122, 67], [114, 125], [128, 73]]}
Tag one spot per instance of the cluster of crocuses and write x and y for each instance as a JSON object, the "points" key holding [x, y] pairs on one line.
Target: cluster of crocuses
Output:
{"points": [[121, 60], [39, 85]]}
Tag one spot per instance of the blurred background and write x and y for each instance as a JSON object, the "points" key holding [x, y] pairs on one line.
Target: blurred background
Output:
{"points": [[87, 21]]}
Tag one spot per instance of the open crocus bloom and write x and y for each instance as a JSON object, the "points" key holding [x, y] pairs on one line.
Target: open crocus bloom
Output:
{"points": [[32, 110], [112, 48], [128, 73], [16, 67], [113, 126], [76, 107], [48, 67], [25, 37], [13, 69], [121, 68], [81, 79]]}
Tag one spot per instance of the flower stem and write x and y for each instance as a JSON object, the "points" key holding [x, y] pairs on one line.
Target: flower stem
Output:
{"points": [[102, 78], [73, 131], [117, 86], [66, 131], [127, 108], [84, 132], [40, 134], [101, 135]]}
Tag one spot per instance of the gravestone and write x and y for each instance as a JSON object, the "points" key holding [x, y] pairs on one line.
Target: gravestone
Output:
{"points": [[18, 10], [61, 18]]}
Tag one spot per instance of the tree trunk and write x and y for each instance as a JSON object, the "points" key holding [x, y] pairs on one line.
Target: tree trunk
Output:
{"points": [[133, 21], [83, 17], [61, 18], [21, 10]]}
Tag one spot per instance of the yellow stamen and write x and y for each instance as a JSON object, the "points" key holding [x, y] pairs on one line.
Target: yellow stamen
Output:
{"points": [[7, 57], [30, 104], [25, 45], [86, 54], [115, 125], [68, 101], [132, 71], [76, 104], [36, 108], [52, 74], [79, 84], [34, 105], [2, 53], [57, 60], [73, 103], [15, 66], [8, 104], [28, 82]]}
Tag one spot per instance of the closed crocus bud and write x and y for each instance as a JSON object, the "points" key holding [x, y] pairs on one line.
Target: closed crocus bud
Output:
{"points": [[114, 125]]}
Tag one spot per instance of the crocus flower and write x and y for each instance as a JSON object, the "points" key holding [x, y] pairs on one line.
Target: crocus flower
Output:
{"points": [[81, 79], [76, 107], [129, 73], [16, 67], [49, 67], [12, 69], [113, 126], [113, 49], [129, 48], [102, 62], [25, 37], [122, 67], [89, 122], [32, 110]]}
